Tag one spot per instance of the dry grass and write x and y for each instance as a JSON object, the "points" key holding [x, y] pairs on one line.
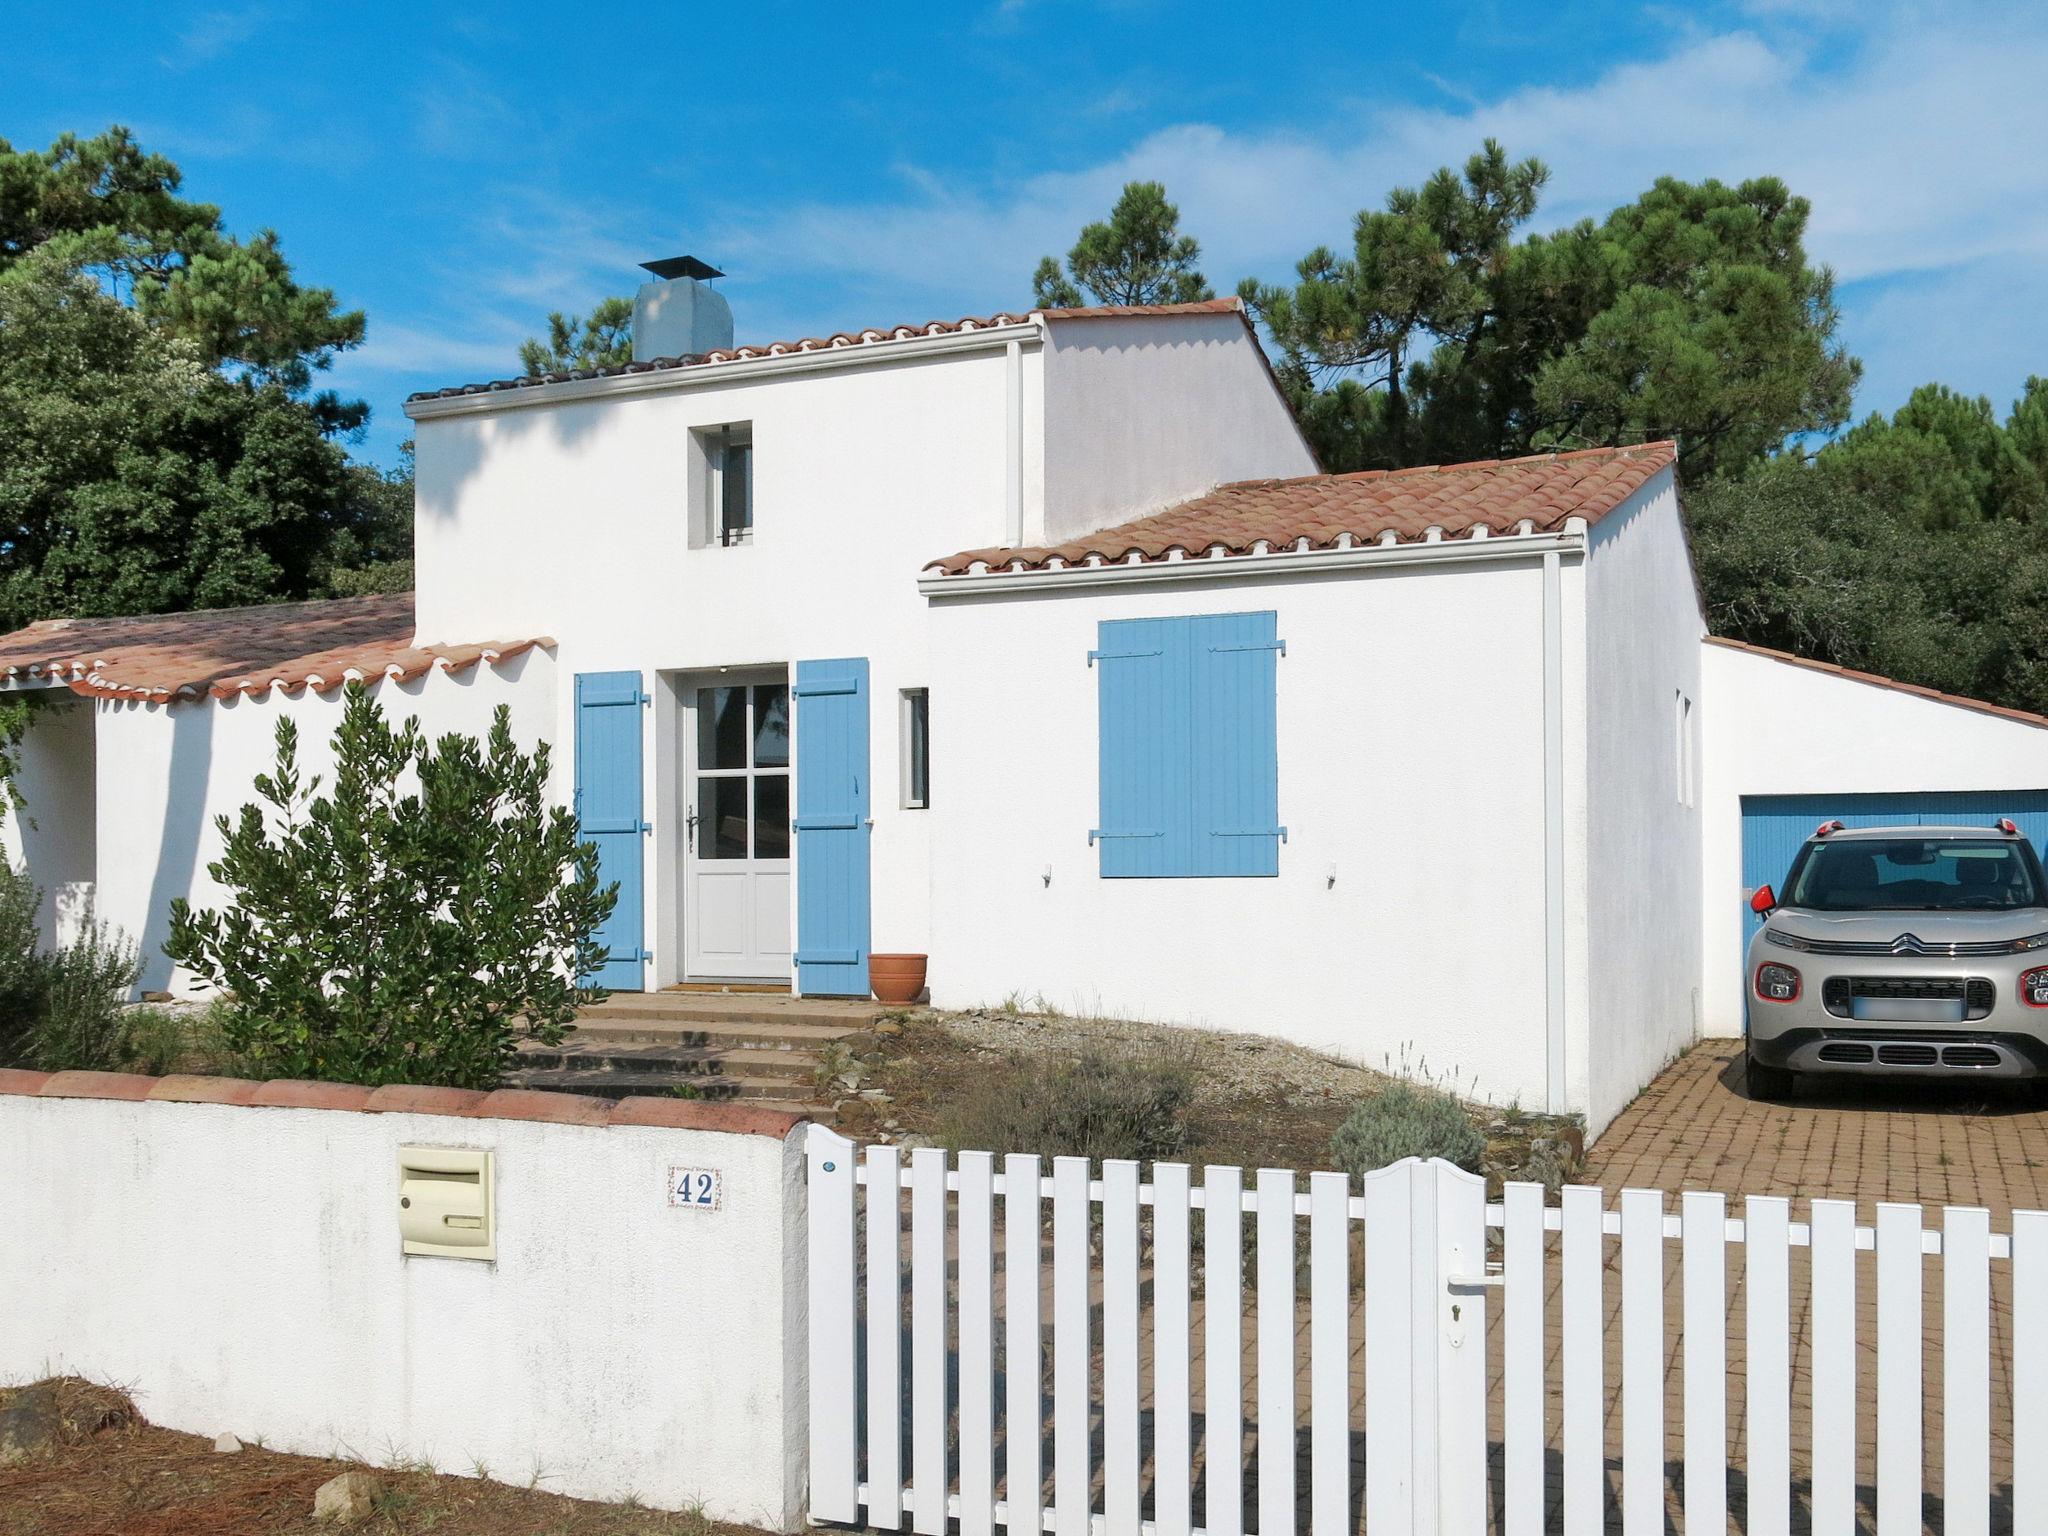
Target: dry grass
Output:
{"points": [[130, 1479], [1255, 1102]]}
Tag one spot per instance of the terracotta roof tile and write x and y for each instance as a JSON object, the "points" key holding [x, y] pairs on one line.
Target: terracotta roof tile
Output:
{"points": [[226, 651], [868, 337], [1878, 680], [1502, 496]]}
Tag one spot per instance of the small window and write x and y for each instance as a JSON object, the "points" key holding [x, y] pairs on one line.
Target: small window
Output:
{"points": [[725, 515], [917, 749], [1686, 768]]}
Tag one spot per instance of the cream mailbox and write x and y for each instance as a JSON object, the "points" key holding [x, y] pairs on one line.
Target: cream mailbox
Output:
{"points": [[444, 1202]]}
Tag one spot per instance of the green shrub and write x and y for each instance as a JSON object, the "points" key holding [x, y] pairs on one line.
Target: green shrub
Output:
{"points": [[1406, 1121], [22, 967], [382, 934], [84, 1026], [1103, 1103], [157, 1040]]}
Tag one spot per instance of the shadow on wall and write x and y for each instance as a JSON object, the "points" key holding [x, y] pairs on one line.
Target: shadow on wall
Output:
{"points": [[187, 768], [453, 450]]}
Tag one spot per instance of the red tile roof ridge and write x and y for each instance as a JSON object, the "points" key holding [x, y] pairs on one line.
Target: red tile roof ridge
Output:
{"points": [[1879, 680], [220, 652], [635, 1113], [863, 336], [1662, 449], [1539, 493]]}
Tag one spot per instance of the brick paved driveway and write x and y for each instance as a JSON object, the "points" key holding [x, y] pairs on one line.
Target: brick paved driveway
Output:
{"points": [[1695, 1127]]}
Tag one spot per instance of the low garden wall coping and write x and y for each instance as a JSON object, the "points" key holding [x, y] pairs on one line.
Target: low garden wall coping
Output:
{"points": [[463, 1103]]}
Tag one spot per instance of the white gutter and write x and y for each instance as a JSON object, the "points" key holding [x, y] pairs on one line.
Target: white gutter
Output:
{"points": [[855, 354], [1554, 1093], [1519, 546]]}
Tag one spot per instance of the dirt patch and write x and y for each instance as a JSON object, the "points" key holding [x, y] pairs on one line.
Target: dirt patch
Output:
{"points": [[1257, 1103], [127, 1478]]}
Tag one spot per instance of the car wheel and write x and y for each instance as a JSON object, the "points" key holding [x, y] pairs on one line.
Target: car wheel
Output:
{"points": [[1768, 1083]]}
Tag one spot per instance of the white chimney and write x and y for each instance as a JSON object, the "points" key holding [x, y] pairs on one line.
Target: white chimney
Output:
{"points": [[679, 314]]}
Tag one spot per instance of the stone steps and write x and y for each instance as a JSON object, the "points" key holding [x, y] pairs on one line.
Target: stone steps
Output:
{"points": [[781, 1092], [760, 1047], [772, 1018], [575, 1055]]}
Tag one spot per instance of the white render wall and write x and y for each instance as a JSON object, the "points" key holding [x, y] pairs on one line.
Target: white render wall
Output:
{"points": [[1142, 413], [165, 772], [238, 1269], [1642, 830], [1776, 728], [566, 513], [571, 520], [51, 834], [1408, 911]]}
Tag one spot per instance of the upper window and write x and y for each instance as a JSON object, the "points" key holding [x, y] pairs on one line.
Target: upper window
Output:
{"points": [[1189, 742], [725, 515]]}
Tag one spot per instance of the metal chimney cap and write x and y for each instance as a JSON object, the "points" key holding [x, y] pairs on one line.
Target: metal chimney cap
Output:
{"points": [[670, 268]]}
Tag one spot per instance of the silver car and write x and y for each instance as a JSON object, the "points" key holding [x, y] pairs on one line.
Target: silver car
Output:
{"points": [[1901, 951]]}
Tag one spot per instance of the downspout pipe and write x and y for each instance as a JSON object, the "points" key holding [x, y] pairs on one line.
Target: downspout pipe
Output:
{"points": [[1554, 1091], [1013, 459]]}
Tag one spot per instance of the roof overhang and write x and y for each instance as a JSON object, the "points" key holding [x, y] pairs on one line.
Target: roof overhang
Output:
{"points": [[883, 351], [1473, 549]]}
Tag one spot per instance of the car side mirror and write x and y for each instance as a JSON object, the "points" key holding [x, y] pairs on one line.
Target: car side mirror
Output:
{"points": [[1764, 899]]}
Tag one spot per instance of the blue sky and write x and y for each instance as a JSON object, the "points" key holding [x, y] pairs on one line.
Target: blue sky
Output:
{"points": [[459, 172]]}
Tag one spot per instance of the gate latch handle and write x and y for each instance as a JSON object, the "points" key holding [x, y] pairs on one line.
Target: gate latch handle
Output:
{"points": [[1492, 1278]]}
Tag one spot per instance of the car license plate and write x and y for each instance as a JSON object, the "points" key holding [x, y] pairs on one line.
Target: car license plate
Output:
{"points": [[1907, 1010]]}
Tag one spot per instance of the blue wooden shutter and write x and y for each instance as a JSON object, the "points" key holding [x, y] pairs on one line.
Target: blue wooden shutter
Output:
{"points": [[1143, 727], [608, 806], [1188, 743], [1235, 793], [832, 852]]}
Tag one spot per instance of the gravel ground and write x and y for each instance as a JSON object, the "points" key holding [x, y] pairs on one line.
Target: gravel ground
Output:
{"points": [[1257, 1102]]}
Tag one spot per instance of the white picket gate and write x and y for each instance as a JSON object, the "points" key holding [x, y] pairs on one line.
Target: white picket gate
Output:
{"points": [[972, 1410]]}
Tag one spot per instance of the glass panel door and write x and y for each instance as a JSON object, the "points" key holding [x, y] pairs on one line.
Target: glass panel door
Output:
{"points": [[736, 909]]}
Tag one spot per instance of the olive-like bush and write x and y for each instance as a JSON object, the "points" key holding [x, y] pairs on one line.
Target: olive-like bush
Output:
{"points": [[1406, 1120]]}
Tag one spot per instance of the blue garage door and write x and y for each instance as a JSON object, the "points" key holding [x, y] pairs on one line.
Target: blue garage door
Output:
{"points": [[1773, 826]]}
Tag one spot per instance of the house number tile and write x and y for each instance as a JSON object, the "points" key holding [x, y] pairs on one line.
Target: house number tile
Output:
{"points": [[695, 1189]]}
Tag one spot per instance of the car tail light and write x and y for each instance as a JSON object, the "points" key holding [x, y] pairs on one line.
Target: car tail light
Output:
{"points": [[2034, 987], [1780, 984]]}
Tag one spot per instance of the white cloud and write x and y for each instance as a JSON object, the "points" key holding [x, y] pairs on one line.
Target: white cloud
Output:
{"points": [[210, 34], [1915, 136], [1917, 152], [1971, 327]]}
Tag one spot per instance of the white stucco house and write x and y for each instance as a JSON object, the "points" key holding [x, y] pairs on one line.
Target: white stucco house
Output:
{"points": [[1038, 644]]}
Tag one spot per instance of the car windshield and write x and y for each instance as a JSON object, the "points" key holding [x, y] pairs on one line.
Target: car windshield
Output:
{"points": [[1914, 874]]}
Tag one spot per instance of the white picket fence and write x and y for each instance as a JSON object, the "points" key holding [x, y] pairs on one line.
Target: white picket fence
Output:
{"points": [[1403, 1267]]}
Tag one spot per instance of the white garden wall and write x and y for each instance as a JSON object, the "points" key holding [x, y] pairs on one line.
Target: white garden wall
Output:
{"points": [[1409, 907], [166, 771], [1775, 727], [238, 1268]]}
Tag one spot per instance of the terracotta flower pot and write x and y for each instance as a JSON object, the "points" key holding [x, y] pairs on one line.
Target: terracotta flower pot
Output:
{"points": [[896, 978]]}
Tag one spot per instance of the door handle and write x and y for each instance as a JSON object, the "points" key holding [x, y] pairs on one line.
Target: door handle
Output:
{"points": [[690, 829]]}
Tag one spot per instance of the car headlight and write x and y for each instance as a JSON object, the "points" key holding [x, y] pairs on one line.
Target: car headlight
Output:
{"points": [[1777, 983], [2031, 941], [1793, 941]]}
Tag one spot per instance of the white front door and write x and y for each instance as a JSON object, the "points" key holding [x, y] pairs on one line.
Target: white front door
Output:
{"points": [[736, 866]]}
